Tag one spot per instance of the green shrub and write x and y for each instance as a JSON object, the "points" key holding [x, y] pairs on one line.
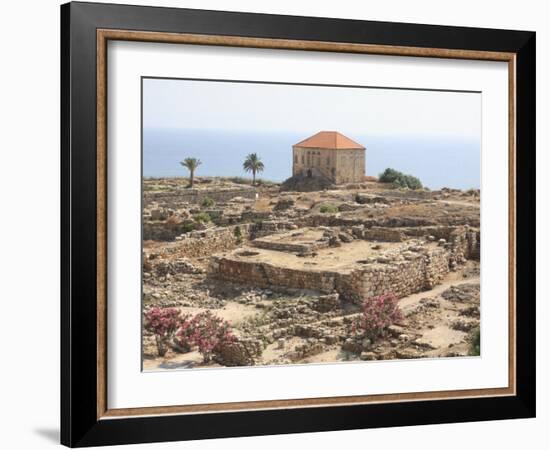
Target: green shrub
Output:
{"points": [[187, 227], [328, 209], [240, 180], [399, 179], [207, 202], [389, 175], [263, 182], [203, 217], [474, 341], [238, 234]]}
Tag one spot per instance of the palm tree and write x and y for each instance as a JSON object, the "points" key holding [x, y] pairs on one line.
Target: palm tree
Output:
{"points": [[253, 164], [191, 164]]}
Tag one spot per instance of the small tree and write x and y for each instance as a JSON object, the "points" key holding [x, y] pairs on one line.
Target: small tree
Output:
{"points": [[379, 313], [163, 323], [399, 179], [253, 164], [191, 164], [209, 332]]}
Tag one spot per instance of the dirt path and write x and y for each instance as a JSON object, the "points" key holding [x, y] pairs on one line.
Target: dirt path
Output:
{"points": [[233, 312], [453, 279], [459, 203]]}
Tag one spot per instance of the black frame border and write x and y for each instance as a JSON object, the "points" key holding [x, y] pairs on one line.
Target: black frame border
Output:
{"points": [[79, 424]]}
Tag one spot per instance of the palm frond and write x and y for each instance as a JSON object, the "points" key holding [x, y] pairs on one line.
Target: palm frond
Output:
{"points": [[252, 163], [191, 163]]}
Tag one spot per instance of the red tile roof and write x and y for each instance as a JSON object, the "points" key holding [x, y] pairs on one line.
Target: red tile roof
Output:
{"points": [[329, 139]]}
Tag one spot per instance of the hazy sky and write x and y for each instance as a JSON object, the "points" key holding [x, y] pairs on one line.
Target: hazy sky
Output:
{"points": [[276, 107]]}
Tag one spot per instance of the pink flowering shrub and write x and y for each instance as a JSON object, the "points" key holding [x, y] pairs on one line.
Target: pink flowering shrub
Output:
{"points": [[184, 338], [183, 331], [379, 313], [163, 323], [209, 332]]}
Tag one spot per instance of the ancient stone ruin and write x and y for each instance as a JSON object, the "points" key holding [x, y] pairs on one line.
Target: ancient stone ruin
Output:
{"points": [[289, 271], [355, 262]]}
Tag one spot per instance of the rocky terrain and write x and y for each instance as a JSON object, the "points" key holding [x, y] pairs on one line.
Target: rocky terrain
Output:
{"points": [[289, 270]]}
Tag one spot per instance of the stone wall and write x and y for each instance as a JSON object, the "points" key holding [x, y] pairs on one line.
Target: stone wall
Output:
{"points": [[167, 231], [330, 220], [291, 247], [161, 231], [268, 227], [421, 271], [437, 264], [267, 275], [379, 234], [174, 198], [417, 272], [213, 240], [462, 241]]}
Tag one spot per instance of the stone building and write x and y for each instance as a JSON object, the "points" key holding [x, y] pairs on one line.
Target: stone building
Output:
{"points": [[329, 154]]}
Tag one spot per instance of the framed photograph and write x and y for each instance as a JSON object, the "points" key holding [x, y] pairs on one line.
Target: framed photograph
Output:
{"points": [[277, 224]]}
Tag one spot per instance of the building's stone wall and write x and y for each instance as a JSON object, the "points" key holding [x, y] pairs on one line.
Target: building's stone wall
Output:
{"points": [[321, 161], [338, 165], [350, 166]]}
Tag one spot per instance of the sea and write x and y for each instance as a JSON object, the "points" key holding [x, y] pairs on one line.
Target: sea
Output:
{"points": [[437, 161]]}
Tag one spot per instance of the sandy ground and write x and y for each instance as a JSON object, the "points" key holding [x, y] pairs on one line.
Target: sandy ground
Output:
{"points": [[233, 312], [326, 259], [431, 330]]}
